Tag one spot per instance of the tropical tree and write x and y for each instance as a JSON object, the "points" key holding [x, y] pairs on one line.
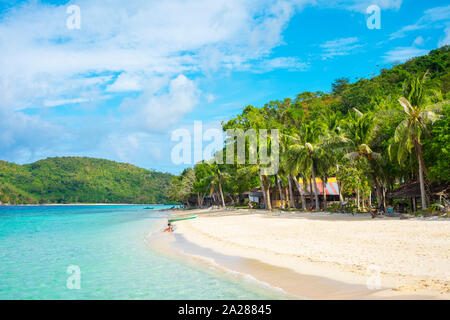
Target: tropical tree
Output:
{"points": [[306, 150], [202, 183], [181, 187], [360, 128], [409, 132], [217, 179]]}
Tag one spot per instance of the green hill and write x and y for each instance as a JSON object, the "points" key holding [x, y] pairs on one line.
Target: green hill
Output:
{"points": [[80, 180]]}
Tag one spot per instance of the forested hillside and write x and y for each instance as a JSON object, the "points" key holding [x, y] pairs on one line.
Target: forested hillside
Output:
{"points": [[80, 180]]}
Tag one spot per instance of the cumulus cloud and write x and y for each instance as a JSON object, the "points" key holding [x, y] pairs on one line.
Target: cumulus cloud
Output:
{"points": [[152, 112], [142, 47], [151, 52]]}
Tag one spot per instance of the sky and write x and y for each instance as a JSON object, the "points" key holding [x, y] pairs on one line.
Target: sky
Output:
{"points": [[117, 82]]}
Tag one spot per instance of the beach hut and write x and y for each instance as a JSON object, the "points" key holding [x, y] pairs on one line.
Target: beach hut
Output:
{"points": [[255, 196], [410, 191], [331, 188]]}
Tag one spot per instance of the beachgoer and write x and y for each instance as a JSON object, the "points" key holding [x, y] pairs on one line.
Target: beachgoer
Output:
{"points": [[250, 206], [169, 228], [374, 213]]}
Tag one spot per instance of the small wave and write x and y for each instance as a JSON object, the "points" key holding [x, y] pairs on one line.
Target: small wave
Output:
{"points": [[211, 262]]}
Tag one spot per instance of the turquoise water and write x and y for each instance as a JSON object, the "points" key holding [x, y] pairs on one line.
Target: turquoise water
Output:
{"points": [[107, 244]]}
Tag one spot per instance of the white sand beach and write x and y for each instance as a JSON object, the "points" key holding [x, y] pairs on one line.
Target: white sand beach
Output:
{"points": [[411, 257]]}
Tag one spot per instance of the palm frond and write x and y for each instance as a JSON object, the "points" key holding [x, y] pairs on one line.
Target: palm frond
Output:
{"points": [[406, 105]]}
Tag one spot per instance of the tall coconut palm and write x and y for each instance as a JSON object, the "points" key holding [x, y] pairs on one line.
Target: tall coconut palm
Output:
{"points": [[290, 162], [408, 133], [285, 171], [306, 149], [360, 129], [217, 179]]}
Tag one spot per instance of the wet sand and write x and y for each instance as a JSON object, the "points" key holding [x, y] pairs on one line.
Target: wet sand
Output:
{"points": [[325, 256]]}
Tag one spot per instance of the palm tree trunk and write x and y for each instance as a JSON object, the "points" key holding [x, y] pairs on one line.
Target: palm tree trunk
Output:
{"points": [[357, 198], [221, 194], [261, 180], [421, 169], [311, 204], [363, 201], [291, 193], [269, 201], [341, 197], [286, 197], [324, 185], [377, 188], [422, 184], [300, 190], [279, 191], [316, 194]]}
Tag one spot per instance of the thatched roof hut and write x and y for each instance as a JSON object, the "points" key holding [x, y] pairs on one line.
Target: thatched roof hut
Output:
{"points": [[412, 190]]}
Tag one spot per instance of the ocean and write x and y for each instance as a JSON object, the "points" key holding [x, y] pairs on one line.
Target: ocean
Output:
{"points": [[100, 252]]}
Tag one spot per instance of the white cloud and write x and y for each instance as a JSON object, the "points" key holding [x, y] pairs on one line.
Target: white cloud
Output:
{"points": [[430, 18], [126, 82], [52, 103], [149, 48], [403, 31], [418, 41], [210, 97], [137, 40], [362, 5], [152, 112], [446, 39], [143, 47], [402, 54], [339, 47], [267, 65]]}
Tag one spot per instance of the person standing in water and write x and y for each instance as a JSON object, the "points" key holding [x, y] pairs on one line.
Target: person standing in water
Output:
{"points": [[169, 228]]}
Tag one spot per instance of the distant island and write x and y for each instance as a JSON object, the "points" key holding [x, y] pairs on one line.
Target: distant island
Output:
{"points": [[80, 180]]}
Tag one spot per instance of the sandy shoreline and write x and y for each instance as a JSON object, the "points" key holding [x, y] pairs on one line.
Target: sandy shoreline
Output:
{"points": [[81, 204], [328, 255]]}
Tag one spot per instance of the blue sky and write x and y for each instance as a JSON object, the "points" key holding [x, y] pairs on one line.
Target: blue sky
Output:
{"points": [[137, 70]]}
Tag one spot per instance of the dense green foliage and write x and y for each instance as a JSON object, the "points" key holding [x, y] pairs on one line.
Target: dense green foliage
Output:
{"points": [[80, 180], [181, 187], [373, 135], [437, 148]]}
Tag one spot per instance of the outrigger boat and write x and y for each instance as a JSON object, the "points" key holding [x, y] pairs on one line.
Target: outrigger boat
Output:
{"points": [[179, 219]]}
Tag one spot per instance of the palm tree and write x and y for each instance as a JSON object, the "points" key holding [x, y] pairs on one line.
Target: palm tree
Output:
{"points": [[217, 178], [306, 149], [285, 172], [290, 162], [360, 128], [408, 133]]}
